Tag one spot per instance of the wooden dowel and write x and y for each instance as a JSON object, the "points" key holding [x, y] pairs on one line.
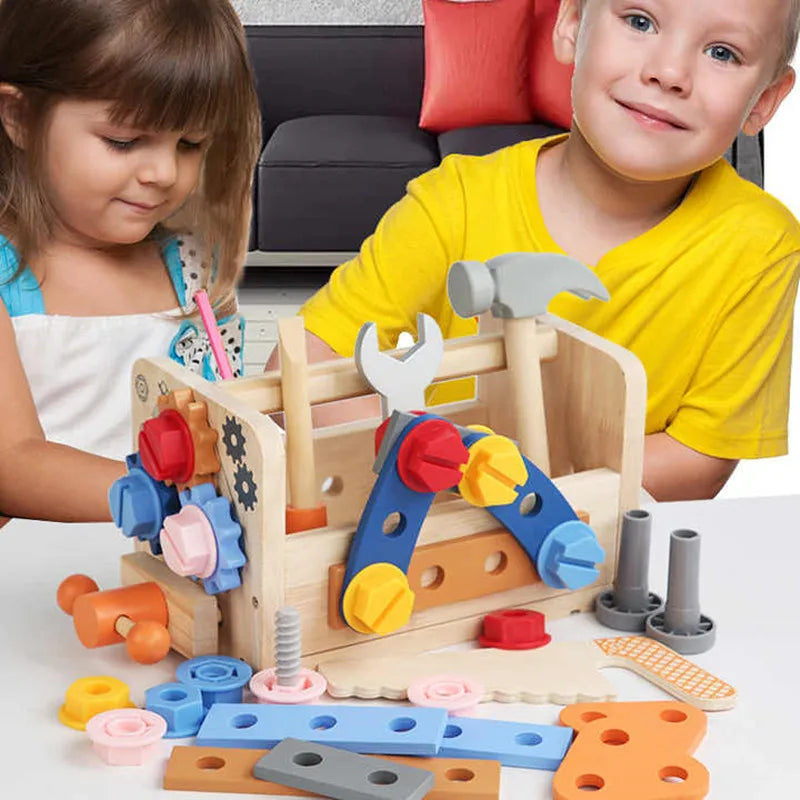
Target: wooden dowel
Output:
{"points": [[301, 472], [339, 379]]}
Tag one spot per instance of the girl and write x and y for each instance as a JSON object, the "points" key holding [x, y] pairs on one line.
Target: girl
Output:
{"points": [[129, 132]]}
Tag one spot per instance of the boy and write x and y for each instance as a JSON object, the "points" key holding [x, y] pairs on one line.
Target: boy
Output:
{"points": [[701, 266]]}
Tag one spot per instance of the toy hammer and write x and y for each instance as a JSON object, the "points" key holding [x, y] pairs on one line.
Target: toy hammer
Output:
{"points": [[518, 287]]}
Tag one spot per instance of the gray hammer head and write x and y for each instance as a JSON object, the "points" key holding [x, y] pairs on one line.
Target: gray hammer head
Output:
{"points": [[516, 285]]}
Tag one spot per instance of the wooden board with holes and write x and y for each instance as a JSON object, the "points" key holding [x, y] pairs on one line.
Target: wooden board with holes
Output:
{"points": [[561, 672], [633, 751], [456, 570], [230, 769], [596, 452]]}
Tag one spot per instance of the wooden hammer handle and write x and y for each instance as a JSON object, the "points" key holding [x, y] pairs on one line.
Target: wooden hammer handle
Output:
{"points": [[523, 359]]}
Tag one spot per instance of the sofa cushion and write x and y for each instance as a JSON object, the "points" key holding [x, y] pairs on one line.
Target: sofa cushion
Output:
{"points": [[325, 181], [484, 139], [550, 80], [475, 63]]}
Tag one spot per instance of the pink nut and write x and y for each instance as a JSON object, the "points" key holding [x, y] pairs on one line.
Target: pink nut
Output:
{"points": [[188, 543], [460, 696], [310, 685], [126, 736]]}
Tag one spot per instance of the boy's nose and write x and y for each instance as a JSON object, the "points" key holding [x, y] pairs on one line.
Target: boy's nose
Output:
{"points": [[669, 67]]}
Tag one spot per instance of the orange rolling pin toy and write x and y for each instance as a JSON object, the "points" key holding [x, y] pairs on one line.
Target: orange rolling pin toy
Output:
{"points": [[134, 614]]}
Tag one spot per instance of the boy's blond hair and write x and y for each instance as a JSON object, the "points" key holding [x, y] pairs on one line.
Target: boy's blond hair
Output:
{"points": [[790, 39], [162, 65]]}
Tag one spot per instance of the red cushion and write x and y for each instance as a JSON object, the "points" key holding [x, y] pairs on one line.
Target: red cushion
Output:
{"points": [[476, 67], [550, 81]]}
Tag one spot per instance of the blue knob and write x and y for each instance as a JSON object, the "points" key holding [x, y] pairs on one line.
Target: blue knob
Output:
{"points": [[568, 556]]}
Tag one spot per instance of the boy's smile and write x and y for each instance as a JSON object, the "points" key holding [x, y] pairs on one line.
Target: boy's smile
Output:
{"points": [[662, 87]]}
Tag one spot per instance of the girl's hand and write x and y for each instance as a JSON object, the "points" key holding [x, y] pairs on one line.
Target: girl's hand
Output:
{"points": [[4, 520]]}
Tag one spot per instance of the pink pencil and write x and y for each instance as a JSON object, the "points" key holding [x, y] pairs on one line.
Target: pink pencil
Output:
{"points": [[210, 324]]}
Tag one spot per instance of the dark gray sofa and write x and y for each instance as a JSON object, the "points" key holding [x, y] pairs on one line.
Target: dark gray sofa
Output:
{"points": [[340, 106]]}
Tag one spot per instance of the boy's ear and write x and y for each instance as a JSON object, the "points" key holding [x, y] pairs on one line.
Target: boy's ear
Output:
{"points": [[565, 32], [11, 117], [769, 102]]}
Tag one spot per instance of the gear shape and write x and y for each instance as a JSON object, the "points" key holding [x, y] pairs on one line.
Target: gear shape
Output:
{"points": [[139, 504], [227, 532], [233, 439], [204, 437], [245, 487]]}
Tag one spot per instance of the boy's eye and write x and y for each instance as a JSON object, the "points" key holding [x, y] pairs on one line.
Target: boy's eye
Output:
{"points": [[721, 53], [639, 22], [190, 145], [119, 144]]}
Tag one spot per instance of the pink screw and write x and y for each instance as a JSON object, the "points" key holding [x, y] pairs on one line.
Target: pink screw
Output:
{"points": [[287, 682], [188, 543]]}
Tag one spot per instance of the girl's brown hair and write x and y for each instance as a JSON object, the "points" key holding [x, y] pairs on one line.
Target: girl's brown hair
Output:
{"points": [[163, 65]]}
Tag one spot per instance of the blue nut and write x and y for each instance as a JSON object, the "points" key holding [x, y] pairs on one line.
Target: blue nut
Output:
{"points": [[220, 679], [568, 556], [181, 706], [139, 504]]}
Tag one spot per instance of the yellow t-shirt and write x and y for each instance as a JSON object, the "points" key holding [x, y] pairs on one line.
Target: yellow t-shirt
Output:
{"points": [[704, 299]]}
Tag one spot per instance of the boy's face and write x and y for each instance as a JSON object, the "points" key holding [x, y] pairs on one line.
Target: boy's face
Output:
{"points": [[662, 87]]}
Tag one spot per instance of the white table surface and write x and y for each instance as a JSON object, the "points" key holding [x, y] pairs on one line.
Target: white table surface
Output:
{"points": [[750, 572]]}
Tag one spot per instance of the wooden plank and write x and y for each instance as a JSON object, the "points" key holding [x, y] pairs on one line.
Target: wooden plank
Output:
{"points": [[230, 770], [339, 379]]}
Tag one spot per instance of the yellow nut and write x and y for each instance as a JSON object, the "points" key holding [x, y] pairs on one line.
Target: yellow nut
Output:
{"points": [[494, 470], [378, 600], [89, 696]]}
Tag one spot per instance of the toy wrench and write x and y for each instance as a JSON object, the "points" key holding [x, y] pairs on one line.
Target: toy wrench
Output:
{"points": [[401, 382]]}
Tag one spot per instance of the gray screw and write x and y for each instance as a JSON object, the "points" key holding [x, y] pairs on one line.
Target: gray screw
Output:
{"points": [[288, 641]]}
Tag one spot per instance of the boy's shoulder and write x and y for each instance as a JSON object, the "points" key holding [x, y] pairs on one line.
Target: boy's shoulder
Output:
{"points": [[472, 175], [744, 207]]}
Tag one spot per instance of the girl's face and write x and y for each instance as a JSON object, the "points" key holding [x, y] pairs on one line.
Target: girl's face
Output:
{"points": [[109, 183]]}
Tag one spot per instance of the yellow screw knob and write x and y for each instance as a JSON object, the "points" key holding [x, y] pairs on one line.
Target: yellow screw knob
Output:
{"points": [[378, 600], [494, 470]]}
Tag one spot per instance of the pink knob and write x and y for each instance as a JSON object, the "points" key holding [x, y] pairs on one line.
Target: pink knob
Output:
{"points": [[188, 543], [126, 736], [460, 696], [310, 685]]}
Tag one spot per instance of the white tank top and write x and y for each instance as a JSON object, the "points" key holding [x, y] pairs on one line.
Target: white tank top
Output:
{"points": [[79, 368]]}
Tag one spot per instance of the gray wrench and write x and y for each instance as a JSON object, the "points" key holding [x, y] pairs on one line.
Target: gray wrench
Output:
{"points": [[401, 382]]}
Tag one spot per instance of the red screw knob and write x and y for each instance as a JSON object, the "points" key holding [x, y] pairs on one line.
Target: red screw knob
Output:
{"points": [[431, 456], [166, 447]]}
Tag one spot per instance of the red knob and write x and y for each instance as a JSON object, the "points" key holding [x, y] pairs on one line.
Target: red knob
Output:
{"points": [[166, 447], [431, 456], [514, 629]]}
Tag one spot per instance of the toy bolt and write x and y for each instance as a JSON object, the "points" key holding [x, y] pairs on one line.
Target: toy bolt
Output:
{"points": [[287, 682], [135, 614], [681, 626], [166, 447], [630, 603], [431, 456]]}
